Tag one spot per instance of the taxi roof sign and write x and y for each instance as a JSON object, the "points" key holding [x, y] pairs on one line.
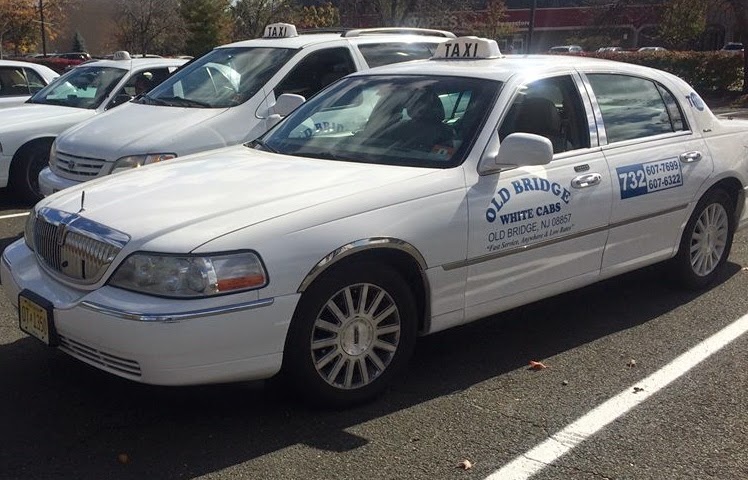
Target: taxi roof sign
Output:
{"points": [[467, 48], [280, 30], [121, 55]]}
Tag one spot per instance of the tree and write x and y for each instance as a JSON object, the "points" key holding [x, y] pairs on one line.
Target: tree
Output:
{"points": [[740, 14], [321, 16], [490, 23], [208, 24], [79, 43], [251, 16], [683, 22], [17, 28], [150, 26]]}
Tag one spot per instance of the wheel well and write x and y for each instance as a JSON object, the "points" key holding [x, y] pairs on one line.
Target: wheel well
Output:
{"points": [[406, 266], [734, 188], [45, 142]]}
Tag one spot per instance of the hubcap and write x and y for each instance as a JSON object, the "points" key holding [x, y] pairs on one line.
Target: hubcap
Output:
{"points": [[355, 336], [709, 239]]}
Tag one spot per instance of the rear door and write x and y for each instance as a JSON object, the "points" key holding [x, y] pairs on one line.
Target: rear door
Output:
{"points": [[657, 161]]}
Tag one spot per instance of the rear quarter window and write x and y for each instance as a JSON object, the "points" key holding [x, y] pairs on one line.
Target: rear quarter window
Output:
{"points": [[378, 54]]}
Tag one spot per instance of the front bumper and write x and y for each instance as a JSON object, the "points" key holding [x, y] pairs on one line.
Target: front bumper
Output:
{"points": [[154, 340], [50, 183]]}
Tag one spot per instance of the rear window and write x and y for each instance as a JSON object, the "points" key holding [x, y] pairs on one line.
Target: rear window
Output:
{"points": [[378, 54]]}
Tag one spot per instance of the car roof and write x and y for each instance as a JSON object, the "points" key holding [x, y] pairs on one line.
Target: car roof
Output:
{"points": [[503, 68], [16, 63], [137, 63], [309, 39]]}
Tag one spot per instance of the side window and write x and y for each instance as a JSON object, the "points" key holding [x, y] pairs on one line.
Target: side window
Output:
{"points": [[378, 54], [551, 108], [13, 82], [138, 84], [36, 82], [634, 107], [673, 109], [316, 71]]}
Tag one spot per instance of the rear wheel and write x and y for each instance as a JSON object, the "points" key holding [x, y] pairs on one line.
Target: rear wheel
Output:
{"points": [[706, 241], [352, 332], [25, 169]]}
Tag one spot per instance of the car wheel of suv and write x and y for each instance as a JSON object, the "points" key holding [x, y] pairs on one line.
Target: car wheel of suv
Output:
{"points": [[353, 331], [706, 241], [25, 169]]}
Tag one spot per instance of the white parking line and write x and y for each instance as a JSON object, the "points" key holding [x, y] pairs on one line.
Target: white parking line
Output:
{"points": [[561, 443], [13, 215]]}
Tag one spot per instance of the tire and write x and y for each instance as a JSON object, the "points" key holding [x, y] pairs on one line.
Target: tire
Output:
{"points": [[706, 241], [358, 351], [25, 169]]}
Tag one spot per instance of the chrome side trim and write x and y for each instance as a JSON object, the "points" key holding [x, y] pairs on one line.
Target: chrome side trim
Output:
{"points": [[565, 238], [602, 136], [175, 317], [359, 246]]}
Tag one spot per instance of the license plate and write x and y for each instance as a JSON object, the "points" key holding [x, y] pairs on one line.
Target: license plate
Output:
{"points": [[35, 317]]}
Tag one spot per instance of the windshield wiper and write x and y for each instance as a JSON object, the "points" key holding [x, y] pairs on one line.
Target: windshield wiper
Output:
{"points": [[148, 100], [262, 144], [181, 102]]}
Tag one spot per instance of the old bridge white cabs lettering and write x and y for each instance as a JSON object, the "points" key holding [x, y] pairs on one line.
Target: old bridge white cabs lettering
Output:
{"points": [[449, 189]]}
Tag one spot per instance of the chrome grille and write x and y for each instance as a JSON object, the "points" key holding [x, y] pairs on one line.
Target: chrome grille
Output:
{"points": [[99, 358], [76, 247], [74, 167]]}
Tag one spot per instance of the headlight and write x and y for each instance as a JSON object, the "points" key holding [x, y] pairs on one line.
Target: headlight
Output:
{"points": [[53, 153], [28, 230], [190, 276], [135, 161]]}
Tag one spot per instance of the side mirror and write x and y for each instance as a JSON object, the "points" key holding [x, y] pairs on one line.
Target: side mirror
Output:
{"points": [[120, 98], [287, 103], [524, 149]]}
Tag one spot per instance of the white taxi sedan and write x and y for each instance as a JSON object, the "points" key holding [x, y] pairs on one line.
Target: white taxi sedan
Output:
{"points": [[397, 203]]}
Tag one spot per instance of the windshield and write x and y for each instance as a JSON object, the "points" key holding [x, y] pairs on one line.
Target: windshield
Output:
{"points": [[81, 87], [412, 120], [224, 77]]}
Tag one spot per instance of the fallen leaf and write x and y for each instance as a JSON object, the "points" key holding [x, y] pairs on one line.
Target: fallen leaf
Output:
{"points": [[631, 364], [565, 382], [123, 458], [537, 365], [638, 389], [465, 464]]}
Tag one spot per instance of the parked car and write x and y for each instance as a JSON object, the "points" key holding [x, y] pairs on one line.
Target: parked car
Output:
{"points": [[28, 130], [733, 47], [228, 96], [652, 49], [566, 49], [396, 203], [610, 49], [19, 80]]}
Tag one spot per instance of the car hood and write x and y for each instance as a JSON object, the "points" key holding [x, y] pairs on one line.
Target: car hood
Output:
{"points": [[133, 129], [177, 206], [29, 114]]}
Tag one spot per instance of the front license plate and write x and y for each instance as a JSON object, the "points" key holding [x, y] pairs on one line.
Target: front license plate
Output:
{"points": [[35, 317]]}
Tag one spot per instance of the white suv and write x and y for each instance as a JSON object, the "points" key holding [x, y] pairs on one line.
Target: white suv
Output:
{"points": [[28, 130], [228, 96]]}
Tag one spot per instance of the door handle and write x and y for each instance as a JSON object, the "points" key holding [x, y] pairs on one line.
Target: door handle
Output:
{"points": [[588, 180], [690, 157]]}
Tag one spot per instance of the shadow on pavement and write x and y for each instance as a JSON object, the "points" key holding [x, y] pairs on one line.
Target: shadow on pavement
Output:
{"points": [[63, 419]]}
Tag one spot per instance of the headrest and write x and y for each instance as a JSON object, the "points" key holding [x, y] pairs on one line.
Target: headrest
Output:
{"points": [[425, 106], [538, 115]]}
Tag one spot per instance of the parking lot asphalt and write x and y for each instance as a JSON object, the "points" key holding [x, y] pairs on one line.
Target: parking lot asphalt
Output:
{"points": [[467, 395]]}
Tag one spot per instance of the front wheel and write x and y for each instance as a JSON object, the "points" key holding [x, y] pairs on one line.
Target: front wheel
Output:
{"points": [[25, 170], [706, 241], [353, 331]]}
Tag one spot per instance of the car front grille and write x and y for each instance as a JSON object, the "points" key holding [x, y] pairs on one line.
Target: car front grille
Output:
{"points": [[74, 167], [78, 248], [100, 358]]}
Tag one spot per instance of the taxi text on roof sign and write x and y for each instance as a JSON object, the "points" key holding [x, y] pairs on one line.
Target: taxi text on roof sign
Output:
{"points": [[280, 30], [467, 48]]}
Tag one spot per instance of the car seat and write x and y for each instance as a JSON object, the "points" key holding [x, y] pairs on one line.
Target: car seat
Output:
{"points": [[540, 116]]}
